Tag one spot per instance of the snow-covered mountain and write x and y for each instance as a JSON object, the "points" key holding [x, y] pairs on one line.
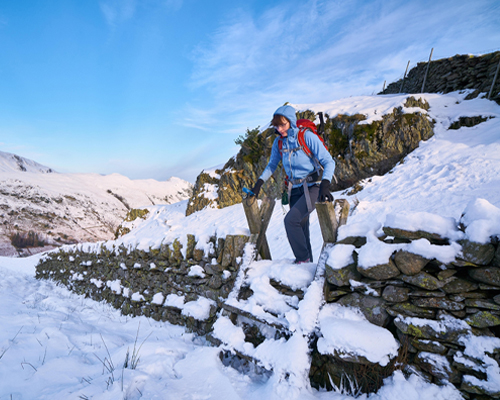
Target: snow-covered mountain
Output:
{"points": [[13, 163], [64, 208]]}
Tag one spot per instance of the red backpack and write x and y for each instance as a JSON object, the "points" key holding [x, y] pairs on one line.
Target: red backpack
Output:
{"points": [[303, 125]]}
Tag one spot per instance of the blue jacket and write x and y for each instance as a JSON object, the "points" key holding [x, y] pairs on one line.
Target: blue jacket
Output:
{"points": [[298, 164]]}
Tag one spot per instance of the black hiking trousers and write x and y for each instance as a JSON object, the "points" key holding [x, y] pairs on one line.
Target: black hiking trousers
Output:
{"points": [[297, 222]]}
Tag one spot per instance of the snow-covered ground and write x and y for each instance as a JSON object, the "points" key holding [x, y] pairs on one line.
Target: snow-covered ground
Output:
{"points": [[55, 344]]}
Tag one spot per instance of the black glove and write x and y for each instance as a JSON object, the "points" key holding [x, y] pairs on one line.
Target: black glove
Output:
{"points": [[256, 188], [324, 191]]}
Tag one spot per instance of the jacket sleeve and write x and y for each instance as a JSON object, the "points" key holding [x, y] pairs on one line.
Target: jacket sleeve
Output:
{"points": [[321, 154], [273, 161]]}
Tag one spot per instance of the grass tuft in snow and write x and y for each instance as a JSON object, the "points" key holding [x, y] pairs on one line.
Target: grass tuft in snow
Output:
{"points": [[132, 361]]}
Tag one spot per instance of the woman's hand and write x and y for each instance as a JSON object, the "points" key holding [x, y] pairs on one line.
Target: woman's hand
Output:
{"points": [[324, 191]]}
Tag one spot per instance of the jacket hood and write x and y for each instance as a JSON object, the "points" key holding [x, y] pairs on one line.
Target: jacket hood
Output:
{"points": [[289, 113]]}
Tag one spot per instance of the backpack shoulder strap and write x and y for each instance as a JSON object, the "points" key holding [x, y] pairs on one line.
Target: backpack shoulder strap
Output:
{"points": [[302, 142]]}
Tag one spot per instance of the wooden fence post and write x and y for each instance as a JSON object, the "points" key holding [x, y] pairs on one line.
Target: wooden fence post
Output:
{"points": [[426, 71], [328, 221], [258, 221], [404, 77]]}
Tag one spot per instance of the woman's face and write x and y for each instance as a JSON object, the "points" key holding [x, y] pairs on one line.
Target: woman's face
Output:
{"points": [[283, 127]]}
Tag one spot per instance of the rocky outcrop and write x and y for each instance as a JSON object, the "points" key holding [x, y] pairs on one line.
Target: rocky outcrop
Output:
{"points": [[224, 187], [450, 74], [364, 150]]}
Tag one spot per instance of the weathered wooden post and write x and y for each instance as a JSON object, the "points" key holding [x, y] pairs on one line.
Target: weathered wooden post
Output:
{"points": [[328, 221], [426, 71], [404, 77], [258, 221]]}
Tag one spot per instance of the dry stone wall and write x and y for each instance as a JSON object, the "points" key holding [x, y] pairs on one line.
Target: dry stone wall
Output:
{"points": [[429, 305], [450, 74], [164, 284]]}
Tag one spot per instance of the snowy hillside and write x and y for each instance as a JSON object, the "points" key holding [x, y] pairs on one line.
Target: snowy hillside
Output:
{"points": [[65, 208], [58, 344], [13, 163]]}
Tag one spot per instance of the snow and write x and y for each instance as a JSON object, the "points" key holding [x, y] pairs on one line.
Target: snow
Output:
{"points": [[480, 348], [482, 220], [55, 344], [340, 256], [198, 309], [424, 221], [376, 252], [196, 270], [346, 332]]}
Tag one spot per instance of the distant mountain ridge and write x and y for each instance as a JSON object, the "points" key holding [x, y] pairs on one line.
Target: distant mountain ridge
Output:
{"points": [[11, 162], [68, 208]]}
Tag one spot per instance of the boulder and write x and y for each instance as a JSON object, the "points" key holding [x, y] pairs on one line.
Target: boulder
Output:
{"points": [[356, 241]]}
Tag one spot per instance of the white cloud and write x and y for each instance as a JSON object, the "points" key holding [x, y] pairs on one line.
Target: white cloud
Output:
{"points": [[323, 50]]}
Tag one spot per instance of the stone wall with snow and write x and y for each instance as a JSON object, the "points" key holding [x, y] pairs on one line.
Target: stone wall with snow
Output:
{"points": [[435, 284], [171, 283], [450, 74]]}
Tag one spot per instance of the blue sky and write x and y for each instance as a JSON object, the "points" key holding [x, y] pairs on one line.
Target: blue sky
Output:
{"points": [[155, 88]]}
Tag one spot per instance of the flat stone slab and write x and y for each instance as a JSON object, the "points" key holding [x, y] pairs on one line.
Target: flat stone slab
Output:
{"points": [[423, 280], [488, 275], [448, 329], [483, 319]]}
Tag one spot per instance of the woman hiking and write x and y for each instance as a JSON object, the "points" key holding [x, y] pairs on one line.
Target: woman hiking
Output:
{"points": [[305, 184]]}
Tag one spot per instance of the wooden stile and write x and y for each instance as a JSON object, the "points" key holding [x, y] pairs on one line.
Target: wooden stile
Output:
{"points": [[328, 221], [258, 221]]}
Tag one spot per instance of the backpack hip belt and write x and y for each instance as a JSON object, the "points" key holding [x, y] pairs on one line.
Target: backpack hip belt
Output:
{"points": [[313, 177]]}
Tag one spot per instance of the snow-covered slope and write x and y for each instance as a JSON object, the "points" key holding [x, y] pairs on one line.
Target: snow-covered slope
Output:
{"points": [[13, 163], [72, 207], [54, 342]]}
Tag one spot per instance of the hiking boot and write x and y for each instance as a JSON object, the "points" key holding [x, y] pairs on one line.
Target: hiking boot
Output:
{"points": [[302, 262]]}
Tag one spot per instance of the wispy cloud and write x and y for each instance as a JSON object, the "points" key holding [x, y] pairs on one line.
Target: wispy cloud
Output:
{"points": [[322, 50], [175, 5], [117, 11]]}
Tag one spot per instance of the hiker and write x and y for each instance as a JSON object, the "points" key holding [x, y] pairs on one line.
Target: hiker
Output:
{"points": [[304, 181]]}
